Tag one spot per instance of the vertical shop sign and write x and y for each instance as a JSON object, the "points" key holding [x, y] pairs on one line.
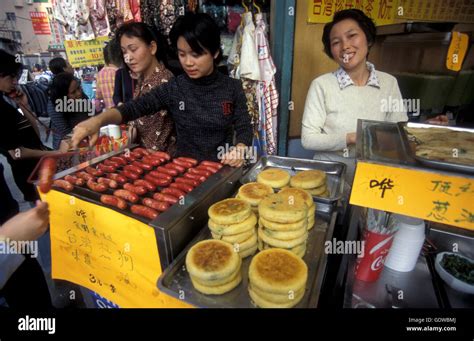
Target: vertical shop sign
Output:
{"points": [[40, 23]]}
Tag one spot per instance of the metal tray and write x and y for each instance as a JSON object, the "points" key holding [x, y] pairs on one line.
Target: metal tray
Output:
{"points": [[438, 164], [175, 280], [334, 170]]}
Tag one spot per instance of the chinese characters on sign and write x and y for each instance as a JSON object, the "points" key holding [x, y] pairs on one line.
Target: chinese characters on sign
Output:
{"points": [[382, 185], [40, 23], [85, 53]]}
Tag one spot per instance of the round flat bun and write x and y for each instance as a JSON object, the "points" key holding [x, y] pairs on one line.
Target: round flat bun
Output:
{"points": [[235, 238], [254, 192], [274, 177], [278, 208], [284, 244], [233, 229], [263, 303], [229, 211], [308, 179], [220, 289], [299, 193], [271, 225]]}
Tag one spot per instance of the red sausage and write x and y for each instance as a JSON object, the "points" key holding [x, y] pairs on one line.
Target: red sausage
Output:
{"points": [[190, 182], [117, 177], [134, 169], [163, 155], [152, 161], [207, 169], [94, 172], [199, 171], [175, 166], [195, 177], [113, 201], [165, 197], [192, 161], [140, 190], [74, 180], [108, 162], [129, 157], [142, 165], [127, 195], [212, 164], [183, 187], [46, 173], [106, 168], [147, 184], [141, 151], [130, 175], [85, 176], [159, 175], [66, 185], [96, 187], [174, 192], [109, 182], [157, 181], [120, 160], [144, 211], [160, 206], [183, 163], [171, 172]]}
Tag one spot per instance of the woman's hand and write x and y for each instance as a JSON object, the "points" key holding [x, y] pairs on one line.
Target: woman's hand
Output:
{"points": [[20, 98], [84, 129], [441, 120], [28, 225], [351, 138], [236, 157]]}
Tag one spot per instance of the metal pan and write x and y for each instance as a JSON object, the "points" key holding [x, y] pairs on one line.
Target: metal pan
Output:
{"points": [[334, 170], [437, 164], [175, 280]]}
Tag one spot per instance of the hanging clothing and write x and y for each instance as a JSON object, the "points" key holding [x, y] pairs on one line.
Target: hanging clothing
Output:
{"points": [[74, 16], [167, 16], [155, 131], [112, 13], [98, 15], [234, 54], [249, 65], [150, 12], [135, 9], [267, 84]]}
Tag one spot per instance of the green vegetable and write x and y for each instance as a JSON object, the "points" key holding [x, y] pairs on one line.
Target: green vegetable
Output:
{"points": [[459, 267]]}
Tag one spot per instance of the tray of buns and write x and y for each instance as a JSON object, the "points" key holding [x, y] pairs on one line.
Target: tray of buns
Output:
{"points": [[441, 147], [323, 179], [266, 252]]}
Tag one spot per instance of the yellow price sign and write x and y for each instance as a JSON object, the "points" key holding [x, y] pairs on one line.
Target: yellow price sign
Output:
{"points": [[106, 252], [457, 50], [85, 52], [426, 195]]}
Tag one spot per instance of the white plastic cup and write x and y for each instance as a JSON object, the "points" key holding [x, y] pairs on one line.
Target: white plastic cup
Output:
{"points": [[104, 131], [407, 244], [114, 131]]}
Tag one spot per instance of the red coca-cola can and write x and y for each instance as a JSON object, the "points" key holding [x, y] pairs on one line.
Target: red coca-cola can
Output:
{"points": [[376, 248]]}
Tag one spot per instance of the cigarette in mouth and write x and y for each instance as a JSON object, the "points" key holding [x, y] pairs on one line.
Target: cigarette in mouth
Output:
{"points": [[345, 58]]}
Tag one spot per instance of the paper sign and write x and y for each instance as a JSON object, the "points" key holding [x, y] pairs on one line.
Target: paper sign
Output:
{"points": [[426, 195], [381, 11], [457, 51], [460, 11], [106, 252], [82, 53], [40, 23]]}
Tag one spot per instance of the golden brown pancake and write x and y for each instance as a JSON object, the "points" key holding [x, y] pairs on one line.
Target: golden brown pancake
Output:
{"points": [[274, 177], [284, 244], [308, 179], [235, 238], [220, 289], [229, 211], [233, 229], [263, 303], [282, 209], [271, 225], [254, 192], [300, 194], [318, 191]]}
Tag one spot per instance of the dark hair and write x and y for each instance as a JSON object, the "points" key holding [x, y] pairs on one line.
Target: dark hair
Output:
{"points": [[147, 34], [57, 65], [105, 51], [8, 65], [60, 86], [365, 23], [201, 33], [115, 53]]}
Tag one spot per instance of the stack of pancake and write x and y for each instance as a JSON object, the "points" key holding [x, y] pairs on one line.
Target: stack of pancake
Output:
{"points": [[307, 198], [274, 177], [277, 279], [232, 221], [214, 267], [283, 223], [314, 181], [253, 193]]}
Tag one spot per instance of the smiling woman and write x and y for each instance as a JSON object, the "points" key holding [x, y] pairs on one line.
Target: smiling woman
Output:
{"points": [[336, 100]]}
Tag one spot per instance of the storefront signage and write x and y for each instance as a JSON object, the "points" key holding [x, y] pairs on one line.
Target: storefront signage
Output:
{"points": [[436, 10], [82, 53], [106, 252], [426, 195], [40, 23]]}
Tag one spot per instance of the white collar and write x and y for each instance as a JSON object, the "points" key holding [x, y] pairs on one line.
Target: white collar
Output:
{"points": [[345, 80]]}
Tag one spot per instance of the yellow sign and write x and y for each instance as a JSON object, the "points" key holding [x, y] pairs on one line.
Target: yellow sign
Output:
{"points": [[105, 251], [381, 11], [436, 10], [425, 195], [457, 51], [85, 52]]}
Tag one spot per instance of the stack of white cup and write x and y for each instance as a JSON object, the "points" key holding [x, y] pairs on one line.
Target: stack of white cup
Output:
{"points": [[407, 243], [111, 130]]}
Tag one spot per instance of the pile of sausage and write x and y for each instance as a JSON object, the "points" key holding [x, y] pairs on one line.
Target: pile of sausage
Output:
{"points": [[150, 181]]}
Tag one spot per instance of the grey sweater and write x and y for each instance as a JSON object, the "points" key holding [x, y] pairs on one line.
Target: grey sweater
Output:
{"points": [[206, 111]]}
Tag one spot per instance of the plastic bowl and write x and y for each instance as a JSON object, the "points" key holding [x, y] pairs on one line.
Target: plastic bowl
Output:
{"points": [[450, 280]]}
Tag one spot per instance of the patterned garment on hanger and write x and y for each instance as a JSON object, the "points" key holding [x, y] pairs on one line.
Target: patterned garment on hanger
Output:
{"points": [[155, 131], [167, 16], [135, 9], [74, 16], [150, 11], [112, 13], [99, 21], [250, 90]]}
